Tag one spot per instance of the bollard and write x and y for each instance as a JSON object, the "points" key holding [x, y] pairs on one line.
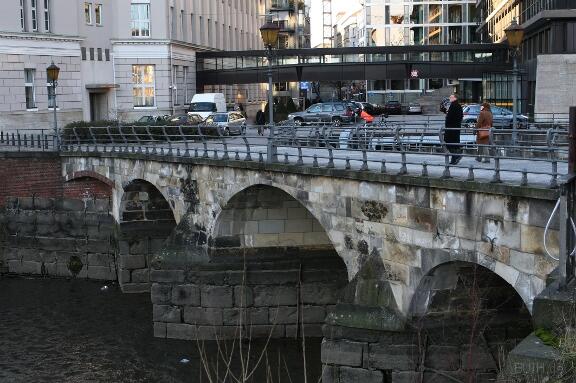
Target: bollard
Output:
{"points": [[470, 173]]}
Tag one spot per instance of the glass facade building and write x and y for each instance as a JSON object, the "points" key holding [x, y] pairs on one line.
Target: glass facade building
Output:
{"points": [[416, 22]]}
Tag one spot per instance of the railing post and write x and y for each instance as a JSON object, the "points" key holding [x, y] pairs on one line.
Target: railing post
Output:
{"points": [[563, 256], [572, 140]]}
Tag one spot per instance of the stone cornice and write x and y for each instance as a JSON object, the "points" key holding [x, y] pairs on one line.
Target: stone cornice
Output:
{"points": [[39, 37]]}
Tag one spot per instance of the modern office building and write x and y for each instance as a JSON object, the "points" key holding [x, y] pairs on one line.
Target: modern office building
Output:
{"points": [[117, 59], [407, 22], [548, 52]]}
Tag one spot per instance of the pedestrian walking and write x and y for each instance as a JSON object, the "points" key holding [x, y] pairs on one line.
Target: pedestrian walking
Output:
{"points": [[260, 121], [483, 126], [452, 133]]}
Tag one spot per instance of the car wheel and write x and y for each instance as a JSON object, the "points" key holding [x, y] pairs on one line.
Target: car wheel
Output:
{"points": [[336, 121], [243, 130], [226, 131]]}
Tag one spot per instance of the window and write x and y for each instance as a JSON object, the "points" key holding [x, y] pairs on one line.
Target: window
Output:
{"points": [[140, 12], [29, 88], [22, 16], [88, 13], [83, 53], [34, 15], [91, 54], [47, 15], [143, 91], [98, 14], [99, 51], [174, 81], [107, 54], [182, 26], [185, 74]]}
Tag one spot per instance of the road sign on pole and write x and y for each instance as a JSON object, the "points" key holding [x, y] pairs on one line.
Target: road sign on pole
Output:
{"points": [[414, 73]]}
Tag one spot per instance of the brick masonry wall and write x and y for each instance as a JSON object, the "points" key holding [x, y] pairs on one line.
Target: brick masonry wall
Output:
{"points": [[59, 237], [272, 297]]}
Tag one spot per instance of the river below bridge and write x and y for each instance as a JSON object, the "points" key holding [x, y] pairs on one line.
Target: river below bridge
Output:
{"points": [[55, 330]]}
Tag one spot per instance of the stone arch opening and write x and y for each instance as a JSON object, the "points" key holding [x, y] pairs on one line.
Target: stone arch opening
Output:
{"points": [[146, 220], [469, 316], [262, 216], [272, 269]]}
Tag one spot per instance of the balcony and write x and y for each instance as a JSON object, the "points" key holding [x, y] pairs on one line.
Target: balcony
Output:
{"points": [[283, 5], [538, 6], [288, 26]]}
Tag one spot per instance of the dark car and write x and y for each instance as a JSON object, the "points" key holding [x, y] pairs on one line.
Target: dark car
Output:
{"points": [[393, 107], [185, 119], [502, 117], [334, 112]]}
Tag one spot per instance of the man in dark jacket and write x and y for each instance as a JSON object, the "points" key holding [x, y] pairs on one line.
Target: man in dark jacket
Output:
{"points": [[452, 133]]}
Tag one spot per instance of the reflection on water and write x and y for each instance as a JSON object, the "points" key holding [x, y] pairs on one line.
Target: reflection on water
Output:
{"points": [[72, 331]]}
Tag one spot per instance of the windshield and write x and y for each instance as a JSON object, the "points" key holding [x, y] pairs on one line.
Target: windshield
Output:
{"points": [[202, 107], [217, 118]]}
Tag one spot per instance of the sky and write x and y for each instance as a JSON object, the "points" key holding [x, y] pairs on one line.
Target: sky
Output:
{"points": [[316, 17]]}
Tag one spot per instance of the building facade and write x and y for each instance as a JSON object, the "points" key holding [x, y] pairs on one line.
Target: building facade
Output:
{"points": [[117, 59], [547, 54], [407, 22]]}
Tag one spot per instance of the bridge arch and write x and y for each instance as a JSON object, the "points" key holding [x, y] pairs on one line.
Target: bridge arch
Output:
{"points": [[526, 286], [146, 220]]}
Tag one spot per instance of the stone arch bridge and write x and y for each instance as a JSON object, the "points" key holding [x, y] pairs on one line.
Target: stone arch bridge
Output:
{"points": [[408, 225]]}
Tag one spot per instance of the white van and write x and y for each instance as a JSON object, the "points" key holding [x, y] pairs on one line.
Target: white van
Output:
{"points": [[204, 104]]}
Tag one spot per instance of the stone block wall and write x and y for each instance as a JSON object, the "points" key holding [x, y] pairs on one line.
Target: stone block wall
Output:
{"points": [[58, 237], [554, 79], [271, 294], [261, 216]]}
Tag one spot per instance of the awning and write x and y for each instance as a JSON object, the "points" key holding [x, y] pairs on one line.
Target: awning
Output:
{"points": [[101, 87]]}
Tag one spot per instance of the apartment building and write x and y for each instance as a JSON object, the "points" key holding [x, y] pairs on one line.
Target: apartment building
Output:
{"points": [[117, 59], [548, 52]]}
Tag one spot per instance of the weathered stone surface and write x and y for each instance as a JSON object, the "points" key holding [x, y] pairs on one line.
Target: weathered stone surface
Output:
{"points": [[243, 296], [102, 273], [140, 276], [392, 357], [161, 293], [167, 275], [166, 313], [186, 295], [342, 353], [203, 316], [159, 330], [443, 358], [274, 296], [477, 358], [181, 331], [136, 288], [250, 316], [133, 261], [217, 296], [349, 374], [406, 377]]}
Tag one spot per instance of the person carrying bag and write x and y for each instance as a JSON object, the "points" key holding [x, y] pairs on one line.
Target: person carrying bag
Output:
{"points": [[483, 126]]}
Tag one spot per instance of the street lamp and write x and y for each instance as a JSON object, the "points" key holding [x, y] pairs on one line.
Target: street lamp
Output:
{"points": [[514, 35], [52, 73], [269, 32]]}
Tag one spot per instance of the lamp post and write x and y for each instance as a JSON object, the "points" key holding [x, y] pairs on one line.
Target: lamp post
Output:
{"points": [[514, 35], [52, 73], [269, 33]]}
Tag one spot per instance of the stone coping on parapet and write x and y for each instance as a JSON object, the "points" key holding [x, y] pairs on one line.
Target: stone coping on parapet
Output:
{"points": [[371, 176]]}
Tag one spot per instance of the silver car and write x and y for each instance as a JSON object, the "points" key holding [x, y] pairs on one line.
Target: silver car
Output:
{"points": [[229, 122], [414, 108]]}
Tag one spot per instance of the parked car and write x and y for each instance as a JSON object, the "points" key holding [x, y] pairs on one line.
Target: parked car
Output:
{"points": [[153, 119], [186, 119], [229, 123], [502, 117], [393, 107], [334, 112], [414, 108]]}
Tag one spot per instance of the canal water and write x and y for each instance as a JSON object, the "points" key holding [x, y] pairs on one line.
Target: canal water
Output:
{"points": [[55, 330]]}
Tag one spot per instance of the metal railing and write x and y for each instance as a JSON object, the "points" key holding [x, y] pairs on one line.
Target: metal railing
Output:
{"points": [[29, 139], [539, 157], [567, 214]]}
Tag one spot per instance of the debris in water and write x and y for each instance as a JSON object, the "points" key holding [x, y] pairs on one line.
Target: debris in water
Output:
{"points": [[104, 288], [184, 360]]}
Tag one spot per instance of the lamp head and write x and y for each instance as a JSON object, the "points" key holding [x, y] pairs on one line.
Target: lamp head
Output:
{"points": [[514, 34], [269, 33], [52, 72]]}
